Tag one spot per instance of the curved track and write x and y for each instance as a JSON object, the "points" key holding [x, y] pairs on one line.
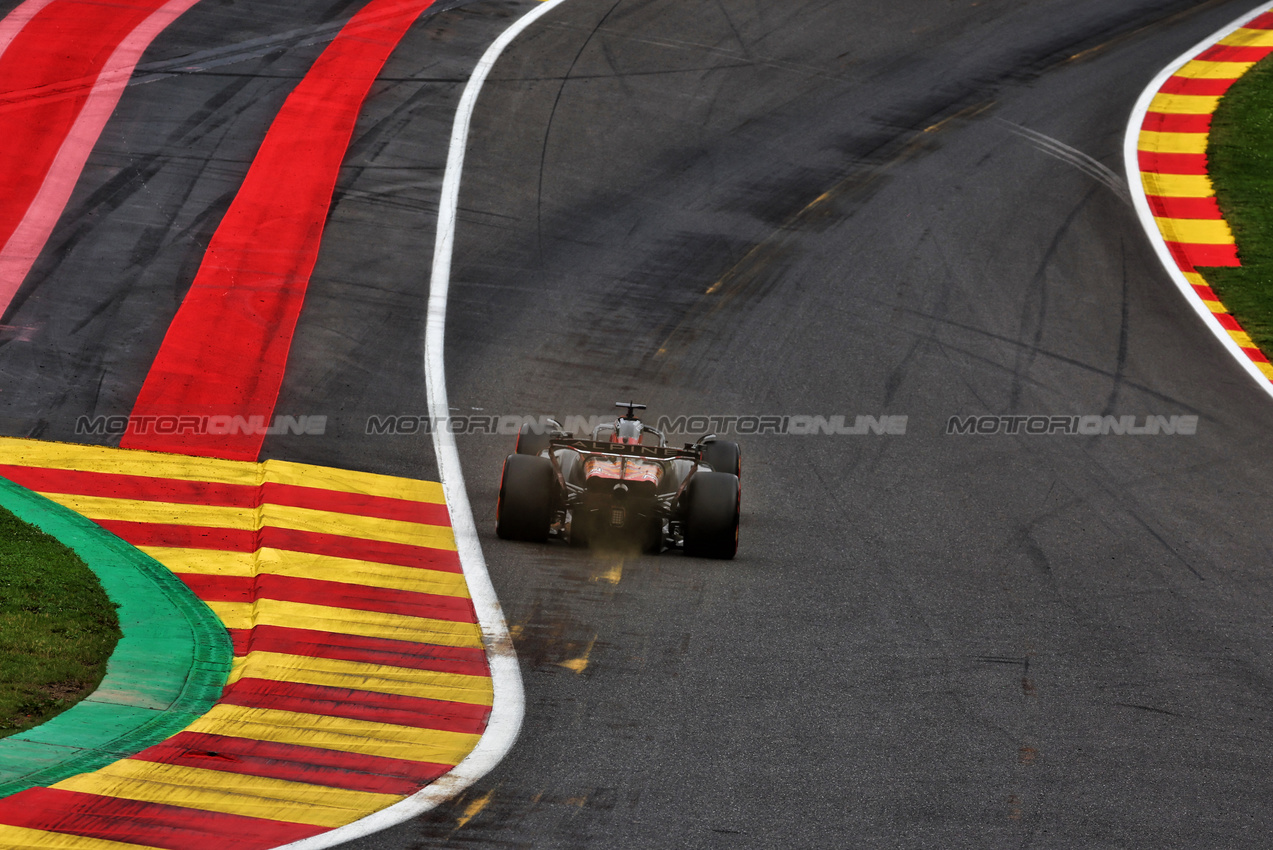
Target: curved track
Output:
{"points": [[731, 207]]}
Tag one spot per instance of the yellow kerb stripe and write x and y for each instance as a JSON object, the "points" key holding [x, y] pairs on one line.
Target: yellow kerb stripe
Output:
{"points": [[1202, 70], [1266, 368], [1195, 278], [127, 462], [1184, 104], [346, 621], [229, 793], [360, 676], [1241, 338], [171, 513], [305, 565], [347, 481], [1199, 231], [367, 528], [251, 519], [1248, 38], [25, 452], [337, 733], [1156, 142], [1177, 185], [21, 838]]}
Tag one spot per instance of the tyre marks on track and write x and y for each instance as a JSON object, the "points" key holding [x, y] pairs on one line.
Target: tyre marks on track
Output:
{"points": [[226, 350], [1171, 156], [359, 674], [63, 66]]}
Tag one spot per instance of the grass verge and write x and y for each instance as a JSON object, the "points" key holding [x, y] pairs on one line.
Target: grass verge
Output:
{"points": [[57, 627], [1240, 160]]}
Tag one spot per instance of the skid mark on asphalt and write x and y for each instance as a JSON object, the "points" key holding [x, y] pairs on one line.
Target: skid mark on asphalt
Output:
{"points": [[1089, 165], [359, 676]]}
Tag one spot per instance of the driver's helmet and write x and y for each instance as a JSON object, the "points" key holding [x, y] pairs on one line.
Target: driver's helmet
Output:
{"points": [[627, 432]]}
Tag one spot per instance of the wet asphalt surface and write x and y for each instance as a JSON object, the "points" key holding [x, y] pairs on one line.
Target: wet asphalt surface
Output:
{"points": [[726, 207]]}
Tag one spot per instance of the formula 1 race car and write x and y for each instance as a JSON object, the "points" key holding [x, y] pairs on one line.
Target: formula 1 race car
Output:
{"points": [[624, 484]]}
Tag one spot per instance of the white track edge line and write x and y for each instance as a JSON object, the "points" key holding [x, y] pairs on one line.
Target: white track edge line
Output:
{"points": [[1132, 163], [509, 702]]}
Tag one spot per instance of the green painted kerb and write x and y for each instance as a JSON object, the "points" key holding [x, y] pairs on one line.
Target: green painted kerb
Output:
{"points": [[167, 670]]}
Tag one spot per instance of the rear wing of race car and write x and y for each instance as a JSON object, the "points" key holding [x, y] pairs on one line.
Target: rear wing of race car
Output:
{"points": [[690, 452]]}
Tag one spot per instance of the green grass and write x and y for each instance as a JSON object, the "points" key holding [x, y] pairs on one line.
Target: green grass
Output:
{"points": [[57, 627], [1240, 159]]}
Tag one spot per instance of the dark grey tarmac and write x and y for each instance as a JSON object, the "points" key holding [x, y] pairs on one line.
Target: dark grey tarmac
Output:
{"points": [[729, 207]]}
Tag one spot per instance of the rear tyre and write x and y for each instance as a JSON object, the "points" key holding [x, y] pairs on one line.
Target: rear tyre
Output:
{"points": [[710, 527], [531, 440], [524, 510], [724, 456]]}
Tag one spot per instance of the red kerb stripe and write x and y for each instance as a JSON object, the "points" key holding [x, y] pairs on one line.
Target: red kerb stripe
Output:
{"points": [[116, 486], [226, 350], [369, 650], [415, 712], [360, 597], [1227, 321], [46, 75], [1206, 255], [234, 540], [147, 824], [381, 507], [1225, 53], [1167, 122], [1206, 293], [1172, 163], [181, 536], [1194, 85], [179, 491], [375, 774]]}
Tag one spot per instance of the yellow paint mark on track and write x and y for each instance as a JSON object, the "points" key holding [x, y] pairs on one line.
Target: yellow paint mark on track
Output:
{"points": [[346, 621], [361, 676], [578, 665], [473, 809], [337, 733], [613, 575]]}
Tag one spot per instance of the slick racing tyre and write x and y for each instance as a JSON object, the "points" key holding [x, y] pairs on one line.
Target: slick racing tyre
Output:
{"points": [[710, 527], [531, 440], [724, 456], [524, 510]]}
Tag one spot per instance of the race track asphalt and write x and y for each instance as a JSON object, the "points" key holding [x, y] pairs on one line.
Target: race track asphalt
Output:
{"points": [[727, 207]]}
